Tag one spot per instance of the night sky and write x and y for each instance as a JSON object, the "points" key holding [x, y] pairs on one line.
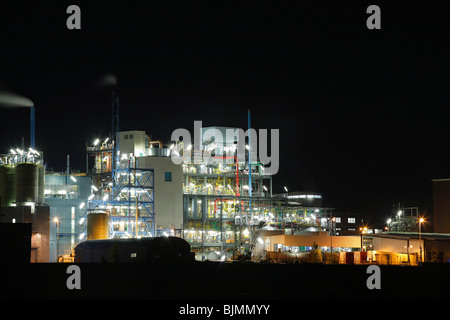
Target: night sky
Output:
{"points": [[363, 114]]}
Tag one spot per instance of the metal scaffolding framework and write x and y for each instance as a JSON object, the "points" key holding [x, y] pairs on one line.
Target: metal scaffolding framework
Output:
{"points": [[130, 203]]}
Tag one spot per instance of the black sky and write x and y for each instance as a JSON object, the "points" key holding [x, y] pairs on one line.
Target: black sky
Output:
{"points": [[363, 114]]}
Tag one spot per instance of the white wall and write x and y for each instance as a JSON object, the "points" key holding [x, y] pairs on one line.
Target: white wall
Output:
{"points": [[396, 245], [168, 194], [134, 142]]}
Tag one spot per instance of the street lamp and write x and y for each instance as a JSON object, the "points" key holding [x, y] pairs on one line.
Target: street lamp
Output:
{"points": [[57, 223], [388, 224], [420, 239], [331, 238]]}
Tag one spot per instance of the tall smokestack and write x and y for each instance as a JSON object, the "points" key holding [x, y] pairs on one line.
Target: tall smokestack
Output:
{"points": [[32, 128]]}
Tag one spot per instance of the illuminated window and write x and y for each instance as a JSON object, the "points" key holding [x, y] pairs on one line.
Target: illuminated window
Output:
{"points": [[351, 220], [338, 219]]}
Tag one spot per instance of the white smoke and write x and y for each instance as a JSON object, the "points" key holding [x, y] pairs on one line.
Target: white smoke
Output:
{"points": [[108, 80], [9, 99]]}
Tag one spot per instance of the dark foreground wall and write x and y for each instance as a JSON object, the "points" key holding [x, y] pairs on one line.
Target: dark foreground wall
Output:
{"points": [[214, 280], [15, 242]]}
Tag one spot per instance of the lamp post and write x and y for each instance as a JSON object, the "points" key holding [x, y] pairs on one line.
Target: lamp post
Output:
{"points": [[420, 240], [331, 239], [57, 222]]}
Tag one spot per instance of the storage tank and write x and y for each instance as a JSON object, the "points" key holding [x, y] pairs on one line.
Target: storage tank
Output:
{"points": [[7, 185], [97, 225], [149, 250], [27, 182]]}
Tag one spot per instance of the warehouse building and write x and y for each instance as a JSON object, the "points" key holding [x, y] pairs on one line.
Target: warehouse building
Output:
{"points": [[441, 205]]}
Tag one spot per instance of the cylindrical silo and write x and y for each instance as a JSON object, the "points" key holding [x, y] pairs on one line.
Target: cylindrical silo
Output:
{"points": [[97, 225], [7, 185], [27, 182]]}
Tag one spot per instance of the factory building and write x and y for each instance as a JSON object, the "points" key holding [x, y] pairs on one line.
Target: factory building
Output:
{"points": [[127, 191], [208, 203], [66, 195], [22, 199], [222, 205]]}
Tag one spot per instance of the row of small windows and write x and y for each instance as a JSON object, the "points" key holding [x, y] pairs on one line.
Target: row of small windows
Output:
{"points": [[349, 220]]}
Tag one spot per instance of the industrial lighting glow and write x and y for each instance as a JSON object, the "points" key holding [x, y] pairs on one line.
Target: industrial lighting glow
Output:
{"points": [[105, 197], [399, 213], [285, 188], [91, 197], [82, 205], [96, 142], [73, 179], [94, 188], [82, 235], [81, 220], [189, 147]]}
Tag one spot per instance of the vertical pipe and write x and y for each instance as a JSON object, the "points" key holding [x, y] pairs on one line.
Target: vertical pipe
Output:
{"points": [[203, 226], [67, 169], [221, 228], [137, 218], [250, 168], [271, 186], [249, 157], [32, 127]]}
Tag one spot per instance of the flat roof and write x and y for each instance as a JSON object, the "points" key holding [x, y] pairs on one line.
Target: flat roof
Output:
{"points": [[411, 235]]}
